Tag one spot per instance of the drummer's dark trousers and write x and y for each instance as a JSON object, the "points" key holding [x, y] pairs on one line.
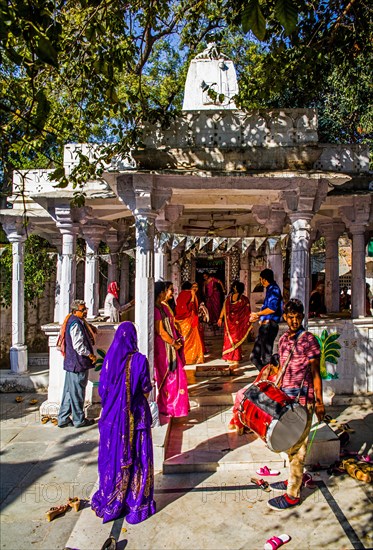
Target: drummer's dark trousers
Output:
{"points": [[297, 456], [263, 346]]}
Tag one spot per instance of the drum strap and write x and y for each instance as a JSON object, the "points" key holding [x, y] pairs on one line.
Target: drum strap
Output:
{"points": [[283, 367]]}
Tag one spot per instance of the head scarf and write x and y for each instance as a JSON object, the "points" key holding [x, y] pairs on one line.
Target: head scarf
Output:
{"points": [[113, 289]]}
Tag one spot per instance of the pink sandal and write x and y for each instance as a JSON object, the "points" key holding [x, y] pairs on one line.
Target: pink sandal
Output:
{"points": [[275, 542], [265, 471]]}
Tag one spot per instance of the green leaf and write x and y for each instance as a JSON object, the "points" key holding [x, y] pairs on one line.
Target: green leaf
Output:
{"points": [[287, 14], [332, 346], [46, 52], [332, 338], [324, 335], [331, 359], [253, 19]]}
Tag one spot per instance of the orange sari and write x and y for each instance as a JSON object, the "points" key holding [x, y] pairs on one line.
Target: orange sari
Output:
{"points": [[186, 317]]}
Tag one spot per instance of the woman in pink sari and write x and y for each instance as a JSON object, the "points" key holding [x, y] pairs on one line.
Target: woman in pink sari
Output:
{"points": [[236, 317], [169, 359], [212, 296]]}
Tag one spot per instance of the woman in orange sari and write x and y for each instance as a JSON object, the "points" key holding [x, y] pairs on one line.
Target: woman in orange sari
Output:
{"points": [[186, 317], [236, 317]]}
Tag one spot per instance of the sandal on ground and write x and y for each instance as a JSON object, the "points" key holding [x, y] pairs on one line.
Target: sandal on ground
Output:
{"points": [[74, 503], [365, 458], [265, 471], [54, 421], [33, 401], [275, 542], [264, 485], [346, 428], [307, 481], [19, 399], [56, 511], [45, 419], [329, 420]]}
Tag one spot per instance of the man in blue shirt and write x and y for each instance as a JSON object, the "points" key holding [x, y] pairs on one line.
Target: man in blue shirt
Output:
{"points": [[269, 318]]}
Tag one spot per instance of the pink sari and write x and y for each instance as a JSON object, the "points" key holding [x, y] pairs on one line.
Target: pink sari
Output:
{"points": [[169, 370], [213, 301]]}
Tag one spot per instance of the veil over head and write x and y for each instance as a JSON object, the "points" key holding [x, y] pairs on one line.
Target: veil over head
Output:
{"points": [[113, 289]]}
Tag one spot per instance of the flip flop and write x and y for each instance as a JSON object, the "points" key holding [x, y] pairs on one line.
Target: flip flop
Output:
{"points": [[19, 399], [45, 419], [329, 420], [265, 471], [275, 542], [264, 485], [346, 428], [365, 458]]}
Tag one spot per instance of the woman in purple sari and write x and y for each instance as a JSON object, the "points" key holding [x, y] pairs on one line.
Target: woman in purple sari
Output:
{"points": [[169, 358], [125, 455]]}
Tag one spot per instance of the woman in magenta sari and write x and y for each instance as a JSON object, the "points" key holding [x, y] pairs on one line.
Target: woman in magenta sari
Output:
{"points": [[236, 317], [212, 296], [125, 455], [169, 359]]}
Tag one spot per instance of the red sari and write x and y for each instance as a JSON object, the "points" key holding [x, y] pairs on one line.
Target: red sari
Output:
{"points": [[236, 327], [186, 316]]}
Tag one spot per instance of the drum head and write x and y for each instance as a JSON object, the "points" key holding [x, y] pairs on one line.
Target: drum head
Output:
{"points": [[285, 432]]}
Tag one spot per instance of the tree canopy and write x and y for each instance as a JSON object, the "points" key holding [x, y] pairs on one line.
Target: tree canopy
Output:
{"points": [[93, 71]]}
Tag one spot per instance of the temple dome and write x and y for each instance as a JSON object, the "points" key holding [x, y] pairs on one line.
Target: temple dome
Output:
{"points": [[210, 71]]}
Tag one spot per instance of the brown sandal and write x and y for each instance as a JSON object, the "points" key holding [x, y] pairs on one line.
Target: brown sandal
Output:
{"points": [[45, 419], [56, 511], [74, 503], [54, 421]]}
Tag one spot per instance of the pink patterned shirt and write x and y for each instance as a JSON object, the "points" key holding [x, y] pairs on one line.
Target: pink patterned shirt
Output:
{"points": [[307, 348]]}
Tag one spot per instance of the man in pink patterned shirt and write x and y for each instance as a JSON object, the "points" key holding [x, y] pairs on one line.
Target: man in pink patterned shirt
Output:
{"points": [[302, 378]]}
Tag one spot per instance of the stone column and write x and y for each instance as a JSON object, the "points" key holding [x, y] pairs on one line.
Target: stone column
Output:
{"points": [[124, 284], [160, 262], [300, 258], [145, 200], [69, 231], [274, 260], [93, 234], [18, 352], [114, 245], [175, 271], [245, 274], [332, 230], [57, 294], [356, 217], [144, 283]]}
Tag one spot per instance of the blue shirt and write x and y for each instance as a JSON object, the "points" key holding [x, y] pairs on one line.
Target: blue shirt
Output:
{"points": [[273, 300]]}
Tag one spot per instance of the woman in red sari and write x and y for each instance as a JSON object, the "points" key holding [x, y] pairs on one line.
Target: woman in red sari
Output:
{"points": [[186, 317], [236, 317], [212, 296]]}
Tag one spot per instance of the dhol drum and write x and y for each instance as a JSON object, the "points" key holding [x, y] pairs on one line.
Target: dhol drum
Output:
{"points": [[273, 415]]}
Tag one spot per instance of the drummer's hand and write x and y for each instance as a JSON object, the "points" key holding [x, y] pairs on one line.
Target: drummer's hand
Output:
{"points": [[320, 411]]}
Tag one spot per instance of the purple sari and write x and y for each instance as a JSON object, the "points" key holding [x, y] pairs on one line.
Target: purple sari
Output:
{"points": [[125, 455]]}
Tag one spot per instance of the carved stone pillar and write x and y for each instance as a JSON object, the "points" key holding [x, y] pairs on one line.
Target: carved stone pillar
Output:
{"points": [[15, 232], [93, 234], [332, 230], [301, 203], [57, 295], [356, 217], [245, 273], [140, 194], [273, 217], [124, 288], [114, 245], [175, 271], [69, 230], [274, 260], [300, 258]]}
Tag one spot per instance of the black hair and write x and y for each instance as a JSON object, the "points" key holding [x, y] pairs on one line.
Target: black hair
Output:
{"points": [[267, 274], [159, 287], [294, 306], [186, 285], [240, 287]]}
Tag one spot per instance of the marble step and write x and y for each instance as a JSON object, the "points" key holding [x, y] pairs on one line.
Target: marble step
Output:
{"points": [[202, 443]]}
